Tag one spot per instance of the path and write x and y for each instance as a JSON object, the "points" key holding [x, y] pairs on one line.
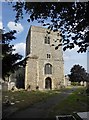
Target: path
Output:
{"points": [[41, 109]]}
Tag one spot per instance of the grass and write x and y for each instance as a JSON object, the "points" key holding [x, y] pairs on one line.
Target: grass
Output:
{"points": [[24, 99], [76, 102]]}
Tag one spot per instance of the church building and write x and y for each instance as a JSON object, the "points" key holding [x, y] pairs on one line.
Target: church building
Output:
{"points": [[45, 66]]}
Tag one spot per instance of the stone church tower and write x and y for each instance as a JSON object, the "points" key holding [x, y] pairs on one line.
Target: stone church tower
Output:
{"points": [[44, 68]]}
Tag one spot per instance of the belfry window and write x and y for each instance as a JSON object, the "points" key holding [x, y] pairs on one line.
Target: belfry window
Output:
{"points": [[48, 69], [47, 40]]}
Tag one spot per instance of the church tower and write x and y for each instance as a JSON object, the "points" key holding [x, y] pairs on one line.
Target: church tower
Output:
{"points": [[45, 66]]}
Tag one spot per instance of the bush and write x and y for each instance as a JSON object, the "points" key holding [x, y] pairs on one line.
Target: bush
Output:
{"points": [[87, 91], [75, 83]]}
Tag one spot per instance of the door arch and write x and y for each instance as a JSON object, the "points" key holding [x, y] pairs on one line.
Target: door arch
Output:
{"points": [[48, 83]]}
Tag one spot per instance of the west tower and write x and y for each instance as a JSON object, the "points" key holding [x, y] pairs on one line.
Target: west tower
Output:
{"points": [[44, 68]]}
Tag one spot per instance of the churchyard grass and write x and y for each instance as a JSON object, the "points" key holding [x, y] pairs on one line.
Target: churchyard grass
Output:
{"points": [[23, 99], [76, 102]]}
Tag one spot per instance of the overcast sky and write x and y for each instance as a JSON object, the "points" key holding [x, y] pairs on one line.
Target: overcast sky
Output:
{"points": [[71, 57]]}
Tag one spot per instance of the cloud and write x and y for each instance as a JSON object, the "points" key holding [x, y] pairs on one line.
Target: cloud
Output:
{"points": [[1, 25], [15, 26], [20, 48], [71, 57]]}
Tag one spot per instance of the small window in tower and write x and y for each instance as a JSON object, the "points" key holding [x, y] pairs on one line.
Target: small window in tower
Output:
{"points": [[48, 55], [47, 40]]}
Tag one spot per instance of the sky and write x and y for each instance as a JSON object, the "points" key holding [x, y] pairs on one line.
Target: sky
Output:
{"points": [[7, 17]]}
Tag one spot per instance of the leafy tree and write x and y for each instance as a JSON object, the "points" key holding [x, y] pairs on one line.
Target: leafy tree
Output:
{"points": [[78, 74], [8, 57], [71, 18]]}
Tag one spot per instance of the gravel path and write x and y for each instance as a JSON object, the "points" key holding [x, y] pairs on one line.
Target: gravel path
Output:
{"points": [[42, 109]]}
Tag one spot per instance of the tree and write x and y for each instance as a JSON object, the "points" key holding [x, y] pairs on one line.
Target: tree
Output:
{"points": [[78, 74], [8, 57], [70, 18]]}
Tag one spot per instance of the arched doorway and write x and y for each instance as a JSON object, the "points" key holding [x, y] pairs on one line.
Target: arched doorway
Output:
{"points": [[48, 83]]}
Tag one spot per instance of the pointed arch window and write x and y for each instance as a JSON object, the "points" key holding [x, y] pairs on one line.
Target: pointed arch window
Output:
{"points": [[48, 69]]}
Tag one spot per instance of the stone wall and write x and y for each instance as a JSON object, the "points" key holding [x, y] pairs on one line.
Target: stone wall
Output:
{"points": [[16, 79], [66, 81]]}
